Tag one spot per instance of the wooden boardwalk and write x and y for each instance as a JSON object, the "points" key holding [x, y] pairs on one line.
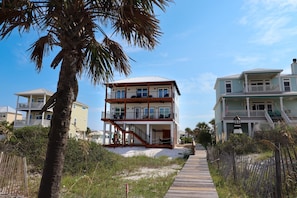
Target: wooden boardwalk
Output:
{"points": [[194, 179]]}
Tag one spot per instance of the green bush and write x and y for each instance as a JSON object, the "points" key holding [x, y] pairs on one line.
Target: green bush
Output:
{"points": [[186, 140], [83, 156], [80, 157], [30, 142], [204, 138], [240, 143]]}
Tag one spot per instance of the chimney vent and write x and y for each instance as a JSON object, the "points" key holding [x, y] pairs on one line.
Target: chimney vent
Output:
{"points": [[294, 60]]}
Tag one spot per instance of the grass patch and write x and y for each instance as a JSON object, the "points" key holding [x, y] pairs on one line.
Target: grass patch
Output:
{"points": [[225, 189], [109, 182], [90, 170]]}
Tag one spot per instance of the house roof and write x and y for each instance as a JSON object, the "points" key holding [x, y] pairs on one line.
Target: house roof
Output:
{"points": [[141, 79], [40, 91], [145, 79], [259, 73]]}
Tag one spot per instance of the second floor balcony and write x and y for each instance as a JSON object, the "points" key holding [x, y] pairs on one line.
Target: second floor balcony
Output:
{"points": [[32, 122], [140, 94], [262, 88], [31, 106], [137, 116]]}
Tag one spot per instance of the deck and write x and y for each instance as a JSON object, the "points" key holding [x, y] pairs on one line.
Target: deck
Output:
{"points": [[194, 179]]}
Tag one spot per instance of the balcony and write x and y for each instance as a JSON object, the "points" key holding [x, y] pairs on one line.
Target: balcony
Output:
{"points": [[133, 95], [263, 88], [32, 122], [34, 105], [134, 116]]}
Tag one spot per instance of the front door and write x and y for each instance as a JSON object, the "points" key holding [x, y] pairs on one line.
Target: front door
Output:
{"points": [[166, 134]]}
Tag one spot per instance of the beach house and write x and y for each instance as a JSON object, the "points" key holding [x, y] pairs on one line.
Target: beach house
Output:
{"points": [[31, 102], [256, 100], [142, 111]]}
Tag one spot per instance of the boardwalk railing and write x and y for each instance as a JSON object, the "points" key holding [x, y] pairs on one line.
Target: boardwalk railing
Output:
{"points": [[13, 176]]}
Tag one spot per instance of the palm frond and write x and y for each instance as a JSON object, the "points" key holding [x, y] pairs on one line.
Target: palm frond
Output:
{"points": [[98, 68], [21, 14], [138, 27], [117, 55], [40, 48]]}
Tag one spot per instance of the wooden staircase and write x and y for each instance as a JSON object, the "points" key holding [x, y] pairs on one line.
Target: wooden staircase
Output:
{"points": [[143, 140]]}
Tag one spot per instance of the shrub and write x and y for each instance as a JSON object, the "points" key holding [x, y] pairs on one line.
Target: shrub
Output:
{"points": [[81, 156]]}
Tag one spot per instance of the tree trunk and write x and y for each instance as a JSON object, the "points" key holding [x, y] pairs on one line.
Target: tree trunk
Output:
{"points": [[66, 94]]}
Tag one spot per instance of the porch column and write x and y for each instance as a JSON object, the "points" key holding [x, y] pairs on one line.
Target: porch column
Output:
{"points": [[16, 112], [104, 130], [171, 134], [42, 115], [279, 82], [250, 129], [246, 83], [110, 134], [29, 112], [248, 107], [281, 103], [148, 133], [224, 107], [224, 134]]}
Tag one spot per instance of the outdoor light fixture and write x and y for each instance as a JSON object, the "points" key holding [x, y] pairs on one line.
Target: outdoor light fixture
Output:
{"points": [[237, 125]]}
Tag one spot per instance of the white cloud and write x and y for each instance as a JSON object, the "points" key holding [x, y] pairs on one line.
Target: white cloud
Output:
{"points": [[271, 20], [203, 83], [246, 60]]}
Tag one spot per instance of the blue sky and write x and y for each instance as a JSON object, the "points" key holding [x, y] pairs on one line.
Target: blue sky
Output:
{"points": [[202, 40]]}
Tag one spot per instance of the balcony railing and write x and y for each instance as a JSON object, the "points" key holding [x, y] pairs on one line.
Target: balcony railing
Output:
{"points": [[34, 105], [263, 88], [32, 122], [136, 116], [244, 113], [134, 94]]}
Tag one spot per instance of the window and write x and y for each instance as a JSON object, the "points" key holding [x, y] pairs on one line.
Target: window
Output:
{"points": [[137, 112], [120, 94], [119, 113], [40, 100], [148, 114], [164, 112], [163, 92], [141, 93], [228, 86], [74, 123], [260, 85], [48, 117], [287, 85]]}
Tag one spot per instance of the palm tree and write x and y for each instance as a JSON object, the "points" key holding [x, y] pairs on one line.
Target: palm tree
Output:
{"points": [[72, 27]]}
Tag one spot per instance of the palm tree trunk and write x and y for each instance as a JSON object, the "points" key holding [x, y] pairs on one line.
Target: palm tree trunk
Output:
{"points": [[66, 94]]}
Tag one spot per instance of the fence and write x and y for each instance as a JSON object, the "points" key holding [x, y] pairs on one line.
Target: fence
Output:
{"points": [[258, 178], [13, 176]]}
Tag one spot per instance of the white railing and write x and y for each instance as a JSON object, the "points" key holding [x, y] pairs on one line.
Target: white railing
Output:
{"points": [[32, 122], [134, 94], [263, 88], [268, 118], [285, 117], [233, 113], [137, 116], [244, 113], [35, 105]]}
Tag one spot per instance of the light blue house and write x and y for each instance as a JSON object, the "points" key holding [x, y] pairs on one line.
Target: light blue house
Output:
{"points": [[260, 97]]}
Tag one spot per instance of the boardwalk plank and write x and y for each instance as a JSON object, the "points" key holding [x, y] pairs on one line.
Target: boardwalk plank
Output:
{"points": [[194, 179]]}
